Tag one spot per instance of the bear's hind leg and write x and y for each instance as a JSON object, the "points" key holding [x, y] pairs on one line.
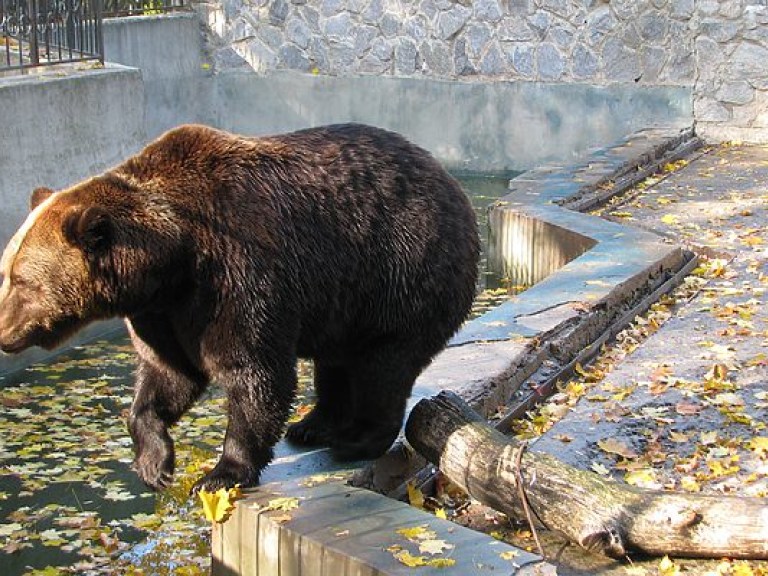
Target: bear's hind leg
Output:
{"points": [[160, 399], [381, 381], [318, 428]]}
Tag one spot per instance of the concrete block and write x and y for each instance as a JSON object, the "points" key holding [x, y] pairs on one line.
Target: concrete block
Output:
{"points": [[61, 127]]}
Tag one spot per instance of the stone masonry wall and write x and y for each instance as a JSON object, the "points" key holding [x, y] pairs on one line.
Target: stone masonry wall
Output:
{"points": [[731, 88], [646, 41], [718, 48]]}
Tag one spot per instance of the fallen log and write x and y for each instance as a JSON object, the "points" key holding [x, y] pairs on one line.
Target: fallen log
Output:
{"points": [[596, 513]]}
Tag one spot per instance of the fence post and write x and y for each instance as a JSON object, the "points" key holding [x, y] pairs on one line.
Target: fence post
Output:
{"points": [[34, 54], [99, 28]]}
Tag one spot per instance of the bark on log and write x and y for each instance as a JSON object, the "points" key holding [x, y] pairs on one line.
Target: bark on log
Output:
{"points": [[596, 513]]}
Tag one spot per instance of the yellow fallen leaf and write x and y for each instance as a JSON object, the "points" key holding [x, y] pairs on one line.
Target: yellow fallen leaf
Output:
{"points": [[742, 568], [509, 555], [286, 504], [689, 484], [643, 478], [440, 513], [415, 496], [441, 562], [416, 533], [217, 506], [616, 446], [405, 557], [670, 219], [759, 444], [668, 568]]}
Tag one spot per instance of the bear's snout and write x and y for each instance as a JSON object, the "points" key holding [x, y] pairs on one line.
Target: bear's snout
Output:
{"points": [[12, 339], [15, 329]]}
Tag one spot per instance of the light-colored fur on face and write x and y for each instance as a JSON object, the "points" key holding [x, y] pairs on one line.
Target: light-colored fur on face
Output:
{"points": [[42, 277], [10, 252]]}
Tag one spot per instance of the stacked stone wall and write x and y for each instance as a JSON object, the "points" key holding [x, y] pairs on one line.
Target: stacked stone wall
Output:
{"points": [[717, 48], [731, 87], [644, 41]]}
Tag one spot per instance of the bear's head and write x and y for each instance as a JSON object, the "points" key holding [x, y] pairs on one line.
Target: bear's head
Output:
{"points": [[100, 249]]}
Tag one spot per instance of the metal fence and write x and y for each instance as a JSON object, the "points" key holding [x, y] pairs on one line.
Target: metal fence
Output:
{"points": [[43, 32], [141, 7]]}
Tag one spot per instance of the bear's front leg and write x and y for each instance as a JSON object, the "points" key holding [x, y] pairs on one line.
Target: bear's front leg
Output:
{"points": [[161, 397], [259, 402]]}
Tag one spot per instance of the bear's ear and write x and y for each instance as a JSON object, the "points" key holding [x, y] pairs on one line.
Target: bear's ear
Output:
{"points": [[39, 195], [88, 228]]}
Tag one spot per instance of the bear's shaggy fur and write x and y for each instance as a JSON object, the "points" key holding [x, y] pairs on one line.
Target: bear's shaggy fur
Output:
{"points": [[229, 257]]}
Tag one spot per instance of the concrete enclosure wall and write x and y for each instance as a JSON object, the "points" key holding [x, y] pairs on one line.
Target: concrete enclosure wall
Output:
{"points": [[168, 50], [473, 126], [469, 125], [717, 49], [59, 129]]}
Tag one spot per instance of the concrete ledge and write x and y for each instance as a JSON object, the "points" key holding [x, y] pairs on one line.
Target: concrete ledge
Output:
{"points": [[338, 530]]}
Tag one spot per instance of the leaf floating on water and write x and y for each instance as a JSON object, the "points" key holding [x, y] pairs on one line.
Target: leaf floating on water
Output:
{"points": [[47, 571], [8, 529]]}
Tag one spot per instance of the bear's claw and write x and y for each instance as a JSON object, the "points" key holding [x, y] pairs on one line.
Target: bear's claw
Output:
{"points": [[157, 476], [154, 462]]}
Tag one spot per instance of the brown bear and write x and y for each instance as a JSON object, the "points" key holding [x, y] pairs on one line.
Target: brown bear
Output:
{"points": [[230, 257]]}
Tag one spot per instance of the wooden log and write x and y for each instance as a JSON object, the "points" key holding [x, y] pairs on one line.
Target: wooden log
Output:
{"points": [[599, 514]]}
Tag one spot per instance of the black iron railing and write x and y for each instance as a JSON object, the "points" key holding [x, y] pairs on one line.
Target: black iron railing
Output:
{"points": [[141, 7], [44, 32]]}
